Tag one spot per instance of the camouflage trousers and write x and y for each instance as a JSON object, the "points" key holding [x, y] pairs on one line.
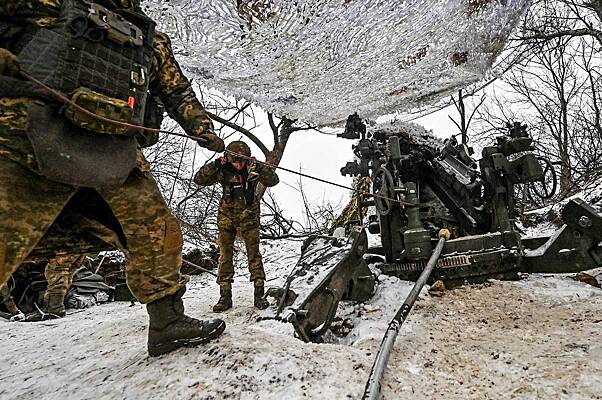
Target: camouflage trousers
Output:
{"points": [[5, 293], [236, 219], [59, 273], [152, 239]]}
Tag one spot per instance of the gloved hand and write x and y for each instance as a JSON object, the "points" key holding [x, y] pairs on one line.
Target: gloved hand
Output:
{"points": [[220, 162], [212, 142], [8, 63]]}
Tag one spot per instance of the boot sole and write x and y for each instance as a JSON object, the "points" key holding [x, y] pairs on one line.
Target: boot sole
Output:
{"points": [[41, 318], [161, 349]]}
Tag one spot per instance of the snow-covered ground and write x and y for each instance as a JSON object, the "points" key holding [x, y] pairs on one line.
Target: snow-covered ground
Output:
{"points": [[540, 337]]}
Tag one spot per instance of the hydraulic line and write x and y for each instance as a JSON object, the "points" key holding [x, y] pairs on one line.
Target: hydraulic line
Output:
{"points": [[372, 390]]}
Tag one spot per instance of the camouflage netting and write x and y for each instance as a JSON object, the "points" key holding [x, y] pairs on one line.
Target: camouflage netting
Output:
{"points": [[321, 60]]}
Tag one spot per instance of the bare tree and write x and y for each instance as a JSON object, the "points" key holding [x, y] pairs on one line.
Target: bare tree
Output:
{"points": [[551, 19], [318, 218], [464, 119], [555, 90]]}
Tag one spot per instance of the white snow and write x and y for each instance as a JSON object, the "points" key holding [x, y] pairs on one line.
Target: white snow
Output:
{"points": [[418, 133], [558, 287], [370, 319], [535, 338]]}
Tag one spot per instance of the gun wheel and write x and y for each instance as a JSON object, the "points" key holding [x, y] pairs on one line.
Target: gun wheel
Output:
{"points": [[382, 189], [545, 188]]}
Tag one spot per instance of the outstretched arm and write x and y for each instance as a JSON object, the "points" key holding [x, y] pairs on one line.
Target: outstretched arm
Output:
{"points": [[176, 93]]}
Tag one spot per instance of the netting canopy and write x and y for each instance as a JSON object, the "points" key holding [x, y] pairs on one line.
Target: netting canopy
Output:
{"points": [[320, 60]]}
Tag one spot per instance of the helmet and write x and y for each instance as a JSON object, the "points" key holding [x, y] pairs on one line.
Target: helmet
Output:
{"points": [[237, 147]]}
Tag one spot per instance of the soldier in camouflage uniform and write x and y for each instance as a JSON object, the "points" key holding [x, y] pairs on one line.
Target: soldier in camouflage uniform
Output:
{"points": [[59, 274], [238, 213], [30, 201]]}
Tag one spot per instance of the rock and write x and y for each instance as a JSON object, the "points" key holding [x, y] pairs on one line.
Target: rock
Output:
{"points": [[341, 327], [438, 289], [587, 278]]}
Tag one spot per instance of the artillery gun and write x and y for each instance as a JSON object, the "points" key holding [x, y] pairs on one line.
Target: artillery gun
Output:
{"points": [[421, 185], [423, 188]]}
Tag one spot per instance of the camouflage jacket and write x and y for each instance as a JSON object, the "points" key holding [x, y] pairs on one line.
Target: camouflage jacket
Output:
{"points": [[168, 83], [239, 187]]}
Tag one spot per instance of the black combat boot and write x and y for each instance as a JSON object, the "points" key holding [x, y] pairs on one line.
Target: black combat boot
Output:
{"points": [[259, 298], [53, 308], [225, 300], [14, 314], [170, 328]]}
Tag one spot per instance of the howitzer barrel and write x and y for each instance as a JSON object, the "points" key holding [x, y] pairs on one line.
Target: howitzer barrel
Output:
{"points": [[372, 390]]}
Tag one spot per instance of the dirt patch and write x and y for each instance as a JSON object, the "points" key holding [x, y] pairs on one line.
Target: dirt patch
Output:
{"points": [[539, 338]]}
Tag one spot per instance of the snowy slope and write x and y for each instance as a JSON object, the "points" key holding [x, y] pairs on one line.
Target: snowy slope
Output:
{"points": [[536, 338]]}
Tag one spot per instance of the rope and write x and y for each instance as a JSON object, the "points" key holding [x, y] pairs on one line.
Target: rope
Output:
{"points": [[64, 99], [199, 267]]}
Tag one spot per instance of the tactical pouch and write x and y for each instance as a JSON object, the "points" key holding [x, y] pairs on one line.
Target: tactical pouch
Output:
{"points": [[109, 52], [102, 106], [66, 154], [152, 119]]}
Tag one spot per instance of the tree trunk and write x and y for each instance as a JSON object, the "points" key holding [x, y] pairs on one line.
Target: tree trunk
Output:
{"points": [[566, 178], [275, 156]]}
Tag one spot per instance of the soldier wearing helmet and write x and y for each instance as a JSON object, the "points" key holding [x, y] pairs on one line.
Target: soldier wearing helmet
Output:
{"points": [[238, 173]]}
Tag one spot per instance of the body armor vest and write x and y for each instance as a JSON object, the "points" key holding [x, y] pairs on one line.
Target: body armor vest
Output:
{"points": [[237, 187], [98, 56]]}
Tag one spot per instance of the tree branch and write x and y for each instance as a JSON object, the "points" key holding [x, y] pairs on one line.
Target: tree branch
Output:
{"points": [[242, 130]]}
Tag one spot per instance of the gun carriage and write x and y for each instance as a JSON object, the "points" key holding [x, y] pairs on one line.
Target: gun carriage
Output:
{"points": [[421, 185]]}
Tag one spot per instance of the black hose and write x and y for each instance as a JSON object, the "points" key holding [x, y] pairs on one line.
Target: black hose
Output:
{"points": [[372, 390]]}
